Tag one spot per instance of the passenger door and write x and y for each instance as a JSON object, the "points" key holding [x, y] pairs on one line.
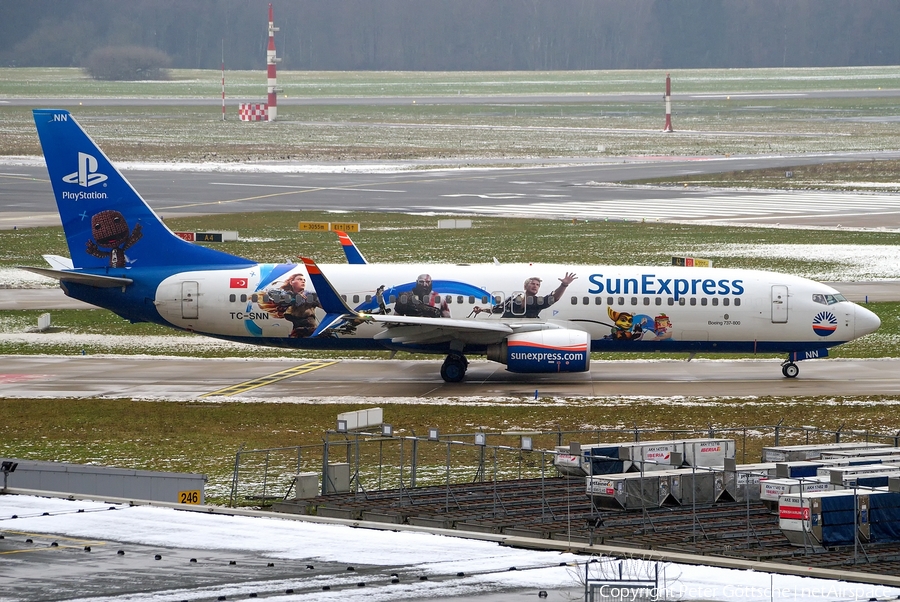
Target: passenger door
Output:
{"points": [[779, 304]]}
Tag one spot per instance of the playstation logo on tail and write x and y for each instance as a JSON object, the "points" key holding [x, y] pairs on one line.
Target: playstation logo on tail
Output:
{"points": [[87, 172]]}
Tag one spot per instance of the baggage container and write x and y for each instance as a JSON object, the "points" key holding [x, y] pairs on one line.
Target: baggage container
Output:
{"points": [[745, 480], [593, 459], [796, 469], [772, 489], [686, 486], [840, 474], [789, 453], [631, 490], [861, 453]]}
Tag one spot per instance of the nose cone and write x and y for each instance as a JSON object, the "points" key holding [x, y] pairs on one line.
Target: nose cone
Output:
{"points": [[865, 322]]}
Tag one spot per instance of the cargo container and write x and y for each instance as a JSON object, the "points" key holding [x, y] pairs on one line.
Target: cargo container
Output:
{"points": [[634, 456], [631, 491], [593, 459], [840, 474], [830, 518], [796, 470], [685, 486], [861, 453], [772, 489], [820, 518], [859, 460], [789, 453], [745, 480]]}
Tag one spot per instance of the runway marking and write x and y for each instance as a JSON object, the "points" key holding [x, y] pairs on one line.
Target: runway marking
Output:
{"points": [[62, 542], [699, 206], [298, 187], [20, 378], [271, 378]]}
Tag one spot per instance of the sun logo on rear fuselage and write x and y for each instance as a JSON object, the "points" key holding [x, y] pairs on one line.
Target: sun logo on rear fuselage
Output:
{"points": [[824, 324]]}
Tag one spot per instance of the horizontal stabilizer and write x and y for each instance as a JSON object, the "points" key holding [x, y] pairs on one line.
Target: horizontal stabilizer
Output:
{"points": [[58, 262], [80, 277]]}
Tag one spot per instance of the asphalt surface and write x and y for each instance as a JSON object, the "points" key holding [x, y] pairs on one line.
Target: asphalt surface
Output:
{"points": [[77, 376], [581, 188]]}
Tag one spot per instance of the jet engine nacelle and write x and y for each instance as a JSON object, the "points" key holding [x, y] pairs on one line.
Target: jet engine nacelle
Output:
{"points": [[557, 350]]}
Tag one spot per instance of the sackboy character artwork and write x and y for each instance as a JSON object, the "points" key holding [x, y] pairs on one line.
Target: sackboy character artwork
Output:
{"points": [[111, 232]]}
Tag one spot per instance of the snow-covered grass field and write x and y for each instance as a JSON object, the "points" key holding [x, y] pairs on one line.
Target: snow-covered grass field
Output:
{"points": [[724, 114]]}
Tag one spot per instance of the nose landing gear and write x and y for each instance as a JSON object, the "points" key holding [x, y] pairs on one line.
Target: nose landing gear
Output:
{"points": [[790, 369]]}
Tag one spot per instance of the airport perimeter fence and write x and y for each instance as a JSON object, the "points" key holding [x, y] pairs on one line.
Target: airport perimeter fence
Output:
{"points": [[373, 461]]}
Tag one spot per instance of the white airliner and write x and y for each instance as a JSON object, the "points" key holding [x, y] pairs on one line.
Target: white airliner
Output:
{"points": [[532, 318]]}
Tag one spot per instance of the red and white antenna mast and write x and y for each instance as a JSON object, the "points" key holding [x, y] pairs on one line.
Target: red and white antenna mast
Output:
{"points": [[668, 127], [223, 79], [272, 106]]}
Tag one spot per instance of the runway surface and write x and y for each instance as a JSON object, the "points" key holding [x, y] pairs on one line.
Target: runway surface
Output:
{"points": [[584, 190], [419, 381]]}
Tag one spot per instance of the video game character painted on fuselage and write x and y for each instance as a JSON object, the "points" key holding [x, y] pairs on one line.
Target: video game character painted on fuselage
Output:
{"points": [[291, 302], [530, 304]]}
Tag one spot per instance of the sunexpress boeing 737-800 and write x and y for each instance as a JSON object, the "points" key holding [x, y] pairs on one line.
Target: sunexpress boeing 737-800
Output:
{"points": [[532, 318]]}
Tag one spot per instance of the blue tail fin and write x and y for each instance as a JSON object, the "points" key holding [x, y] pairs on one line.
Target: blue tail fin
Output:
{"points": [[106, 222], [350, 249]]}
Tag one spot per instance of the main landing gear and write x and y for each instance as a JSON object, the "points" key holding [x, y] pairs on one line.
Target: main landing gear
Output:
{"points": [[790, 369], [454, 368]]}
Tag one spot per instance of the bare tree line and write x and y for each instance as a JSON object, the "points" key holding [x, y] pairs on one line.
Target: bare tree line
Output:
{"points": [[461, 34]]}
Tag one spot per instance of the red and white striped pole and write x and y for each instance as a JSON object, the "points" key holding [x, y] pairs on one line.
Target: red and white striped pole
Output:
{"points": [[272, 107], [668, 127]]}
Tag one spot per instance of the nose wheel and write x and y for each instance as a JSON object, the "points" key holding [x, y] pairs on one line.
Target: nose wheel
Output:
{"points": [[790, 369], [454, 368]]}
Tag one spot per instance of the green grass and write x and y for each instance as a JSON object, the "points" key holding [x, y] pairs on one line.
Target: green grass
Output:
{"points": [[204, 437], [727, 120], [397, 238], [190, 83]]}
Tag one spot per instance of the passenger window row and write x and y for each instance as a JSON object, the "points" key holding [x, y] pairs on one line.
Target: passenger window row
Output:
{"points": [[635, 301]]}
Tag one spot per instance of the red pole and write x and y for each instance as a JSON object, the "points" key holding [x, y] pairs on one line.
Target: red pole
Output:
{"points": [[272, 108], [668, 127]]}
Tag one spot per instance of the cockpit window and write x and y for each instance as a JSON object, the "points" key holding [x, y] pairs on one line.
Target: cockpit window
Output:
{"points": [[828, 299]]}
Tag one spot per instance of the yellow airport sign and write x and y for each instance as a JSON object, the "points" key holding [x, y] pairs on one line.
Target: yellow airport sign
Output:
{"points": [[345, 227], [315, 226], [189, 497], [692, 262], [327, 226]]}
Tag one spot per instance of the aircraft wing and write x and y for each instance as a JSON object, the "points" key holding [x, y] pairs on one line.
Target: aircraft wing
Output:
{"points": [[475, 325], [421, 330], [80, 277]]}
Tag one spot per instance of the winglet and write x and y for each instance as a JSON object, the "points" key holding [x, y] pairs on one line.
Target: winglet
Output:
{"points": [[336, 309], [350, 249]]}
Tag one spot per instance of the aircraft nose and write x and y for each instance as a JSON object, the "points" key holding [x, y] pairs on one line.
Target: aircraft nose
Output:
{"points": [[865, 321]]}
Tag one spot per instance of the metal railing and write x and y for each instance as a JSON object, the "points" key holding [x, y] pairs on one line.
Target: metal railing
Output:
{"points": [[377, 462]]}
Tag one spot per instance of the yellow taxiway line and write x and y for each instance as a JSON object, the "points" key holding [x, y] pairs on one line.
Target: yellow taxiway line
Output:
{"points": [[271, 378]]}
